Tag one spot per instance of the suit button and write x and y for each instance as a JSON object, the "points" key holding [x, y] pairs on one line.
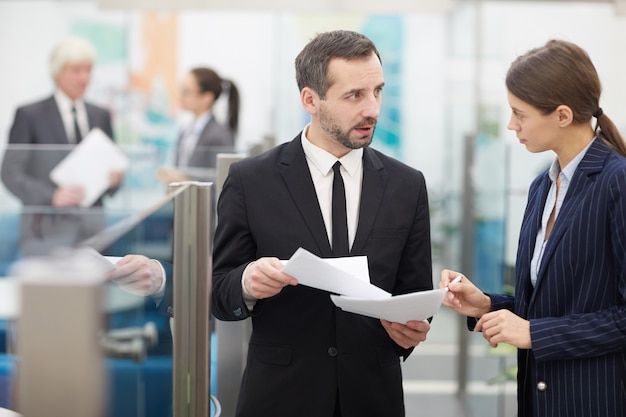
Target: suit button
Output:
{"points": [[332, 351], [542, 386]]}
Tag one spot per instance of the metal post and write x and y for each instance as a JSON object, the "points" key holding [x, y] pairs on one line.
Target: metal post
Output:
{"points": [[468, 229], [192, 289], [61, 368], [467, 261]]}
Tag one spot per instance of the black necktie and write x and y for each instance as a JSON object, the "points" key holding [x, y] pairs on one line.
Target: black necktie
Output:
{"points": [[340, 220], [77, 135]]}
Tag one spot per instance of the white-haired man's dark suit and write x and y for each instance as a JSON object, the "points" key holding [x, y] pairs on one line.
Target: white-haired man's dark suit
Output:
{"points": [[37, 143]]}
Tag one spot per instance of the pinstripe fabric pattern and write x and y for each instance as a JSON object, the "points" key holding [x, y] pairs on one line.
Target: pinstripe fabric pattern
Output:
{"points": [[577, 310]]}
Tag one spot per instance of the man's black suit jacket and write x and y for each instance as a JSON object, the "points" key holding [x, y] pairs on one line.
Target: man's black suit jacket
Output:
{"points": [[303, 350]]}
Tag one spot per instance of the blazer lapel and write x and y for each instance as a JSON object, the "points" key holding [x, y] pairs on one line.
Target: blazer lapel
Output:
{"points": [[592, 163], [297, 177], [374, 181], [528, 233], [54, 121]]}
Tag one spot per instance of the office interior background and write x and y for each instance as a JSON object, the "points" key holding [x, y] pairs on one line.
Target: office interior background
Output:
{"points": [[444, 113]]}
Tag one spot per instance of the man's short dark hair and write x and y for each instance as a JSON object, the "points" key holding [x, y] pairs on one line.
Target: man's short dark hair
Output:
{"points": [[312, 61]]}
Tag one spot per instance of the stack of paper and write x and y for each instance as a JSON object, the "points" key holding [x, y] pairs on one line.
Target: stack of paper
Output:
{"points": [[89, 165], [349, 278]]}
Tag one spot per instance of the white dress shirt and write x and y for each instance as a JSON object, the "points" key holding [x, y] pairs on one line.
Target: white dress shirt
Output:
{"points": [[320, 165], [553, 202], [64, 103]]}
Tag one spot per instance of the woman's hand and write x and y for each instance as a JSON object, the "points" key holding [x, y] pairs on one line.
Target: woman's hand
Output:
{"points": [[463, 296], [503, 326]]}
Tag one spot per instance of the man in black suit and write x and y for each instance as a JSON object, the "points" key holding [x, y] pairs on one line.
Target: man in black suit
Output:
{"points": [[307, 357], [42, 134]]}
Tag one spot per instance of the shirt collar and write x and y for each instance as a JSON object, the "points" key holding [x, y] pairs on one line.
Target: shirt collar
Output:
{"points": [[64, 102], [568, 170], [324, 160], [201, 121]]}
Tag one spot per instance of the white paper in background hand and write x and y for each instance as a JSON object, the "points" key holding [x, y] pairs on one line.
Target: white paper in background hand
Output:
{"points": [[89, 165]]}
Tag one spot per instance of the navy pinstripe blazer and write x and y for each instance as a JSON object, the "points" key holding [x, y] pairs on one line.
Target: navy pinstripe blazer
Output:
{"points": [[577, 310]]}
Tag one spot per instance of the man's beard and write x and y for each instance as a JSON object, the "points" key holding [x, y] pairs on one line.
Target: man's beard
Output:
{"points": [[343, 137]]}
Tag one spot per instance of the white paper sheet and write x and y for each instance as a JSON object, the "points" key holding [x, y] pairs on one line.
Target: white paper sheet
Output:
{"points": [[349, 278], [346, 276], [400, 308], [105, 262], [89, 165]]}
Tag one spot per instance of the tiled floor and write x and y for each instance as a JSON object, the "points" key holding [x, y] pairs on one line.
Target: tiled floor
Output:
{"points": [[430, 375]]}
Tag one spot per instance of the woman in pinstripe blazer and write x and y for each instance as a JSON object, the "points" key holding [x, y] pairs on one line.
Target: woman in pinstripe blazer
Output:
{"points": [[568, 314]]}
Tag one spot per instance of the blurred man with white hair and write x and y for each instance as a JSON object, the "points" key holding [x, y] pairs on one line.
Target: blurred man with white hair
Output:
{"points": [[42, 134]]}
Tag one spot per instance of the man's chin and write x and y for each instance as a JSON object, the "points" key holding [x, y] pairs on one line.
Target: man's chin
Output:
{"points": [[363, 142]]}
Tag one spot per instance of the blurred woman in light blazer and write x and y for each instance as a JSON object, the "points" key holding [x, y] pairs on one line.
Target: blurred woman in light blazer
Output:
{"points": [[205, 136]]}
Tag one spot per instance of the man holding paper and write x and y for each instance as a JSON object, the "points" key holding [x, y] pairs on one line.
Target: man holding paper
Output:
{"points": [[306, 356], [42, 135]]}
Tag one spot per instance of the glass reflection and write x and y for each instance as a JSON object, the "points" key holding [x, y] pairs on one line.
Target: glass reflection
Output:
{"points": [[136, 218]]}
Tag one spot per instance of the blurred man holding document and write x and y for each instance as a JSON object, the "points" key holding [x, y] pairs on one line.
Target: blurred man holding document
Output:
{"points": [[63, 212]]}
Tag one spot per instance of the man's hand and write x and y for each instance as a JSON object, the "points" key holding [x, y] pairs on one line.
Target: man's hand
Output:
{"points": [[68, 196], [264, 278], [407, 335], [138, 274], [115, 179]]}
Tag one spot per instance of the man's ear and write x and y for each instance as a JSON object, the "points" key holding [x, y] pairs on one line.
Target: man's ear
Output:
{"points": [[310, 100], [565, 115]]}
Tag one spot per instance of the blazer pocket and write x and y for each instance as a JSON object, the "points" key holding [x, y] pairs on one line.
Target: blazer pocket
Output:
{"points": [[272, 355]]}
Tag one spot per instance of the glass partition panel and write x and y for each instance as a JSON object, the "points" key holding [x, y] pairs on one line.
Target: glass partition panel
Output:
{"points": [[135, 217], [141, 381]]}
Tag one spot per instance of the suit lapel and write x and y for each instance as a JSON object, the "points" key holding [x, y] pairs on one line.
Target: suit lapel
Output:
{"points": [[205, 135], [92, 117], [591, 164], [374, 181], [537, 200], [297, 177], [54, 121]]}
